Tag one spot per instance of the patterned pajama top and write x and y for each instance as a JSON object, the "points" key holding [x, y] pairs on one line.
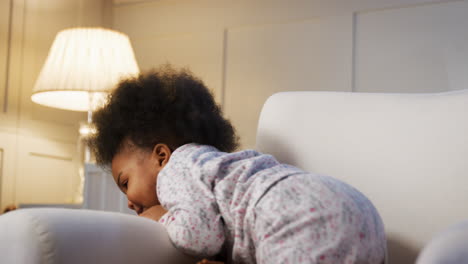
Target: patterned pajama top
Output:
{"points": [[263, 211]]}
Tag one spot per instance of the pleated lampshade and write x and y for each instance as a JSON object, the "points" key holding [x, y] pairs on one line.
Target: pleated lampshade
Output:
{"points": [[82, 66]]}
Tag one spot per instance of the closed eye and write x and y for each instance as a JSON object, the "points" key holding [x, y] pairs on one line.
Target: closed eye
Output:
{"points": [[122, 184]]}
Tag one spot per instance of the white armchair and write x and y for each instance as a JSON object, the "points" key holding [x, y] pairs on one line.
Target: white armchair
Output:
{"points": [[448, 247], [407, 152], [75, 236]]}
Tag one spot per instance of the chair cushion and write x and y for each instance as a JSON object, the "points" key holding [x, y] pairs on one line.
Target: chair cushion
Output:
{"points": [[51, 235]]}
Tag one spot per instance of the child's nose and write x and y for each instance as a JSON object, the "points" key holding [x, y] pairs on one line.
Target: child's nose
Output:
{"points": [[132, 206], [135, 207]]}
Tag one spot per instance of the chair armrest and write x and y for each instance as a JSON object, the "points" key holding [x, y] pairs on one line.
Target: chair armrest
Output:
{"points": [[50, 235], [448, 247]]}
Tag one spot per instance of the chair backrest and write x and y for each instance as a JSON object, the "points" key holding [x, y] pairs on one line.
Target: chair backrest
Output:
{"points": [[448, 247], [408, 153]]}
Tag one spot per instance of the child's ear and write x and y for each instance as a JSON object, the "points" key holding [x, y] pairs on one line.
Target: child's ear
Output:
{"points": [[161, 154]]}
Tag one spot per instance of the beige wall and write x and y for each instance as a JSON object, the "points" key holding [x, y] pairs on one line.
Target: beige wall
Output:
{"points": [[247, 50], [38, 144]]}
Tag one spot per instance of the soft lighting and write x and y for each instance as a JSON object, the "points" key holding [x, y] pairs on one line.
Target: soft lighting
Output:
{"points": [[86, 130], [82, 66]]}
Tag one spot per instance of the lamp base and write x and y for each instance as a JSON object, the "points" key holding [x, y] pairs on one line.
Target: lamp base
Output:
{"points": [[85, 156]]}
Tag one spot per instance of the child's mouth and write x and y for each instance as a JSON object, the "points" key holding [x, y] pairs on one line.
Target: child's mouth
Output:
{"points": [[140, 211]]}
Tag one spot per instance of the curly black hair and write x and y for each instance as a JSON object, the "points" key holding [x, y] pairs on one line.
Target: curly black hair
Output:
{"points": [[165, 105]]}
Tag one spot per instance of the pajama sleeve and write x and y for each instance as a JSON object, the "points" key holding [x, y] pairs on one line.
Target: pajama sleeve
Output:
{"points": [[195, 231], [193, 221]]}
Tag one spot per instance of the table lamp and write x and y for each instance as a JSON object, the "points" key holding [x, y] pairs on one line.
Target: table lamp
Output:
{"points": [[83, 65]]}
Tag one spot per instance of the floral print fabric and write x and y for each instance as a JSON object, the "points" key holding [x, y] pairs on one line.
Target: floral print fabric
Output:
{"points": [[263, 211]]}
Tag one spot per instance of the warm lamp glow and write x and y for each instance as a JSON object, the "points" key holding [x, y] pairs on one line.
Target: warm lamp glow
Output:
{"points": [[82, 66], [69, 100], [87, 130]]}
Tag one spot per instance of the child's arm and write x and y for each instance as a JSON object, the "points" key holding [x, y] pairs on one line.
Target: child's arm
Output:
{"points": [[193, 221], [196, 230]]}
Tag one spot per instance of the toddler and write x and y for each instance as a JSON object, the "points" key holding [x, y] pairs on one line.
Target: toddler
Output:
{"points": [[171, 152]]}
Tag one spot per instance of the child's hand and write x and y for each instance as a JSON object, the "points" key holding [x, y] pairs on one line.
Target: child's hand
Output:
{"points": [[205, 261], [154, 213]]}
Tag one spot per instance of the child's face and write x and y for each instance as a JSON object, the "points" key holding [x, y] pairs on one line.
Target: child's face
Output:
{"points": [[135, 171]]}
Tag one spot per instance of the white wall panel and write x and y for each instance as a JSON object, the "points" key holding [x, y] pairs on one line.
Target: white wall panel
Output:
{"points": [[182, 16], [202, 53], [415, 49], [13, 67], [47, 171], [1, 178], [4, 43], [7, 169], [311, 55]]}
